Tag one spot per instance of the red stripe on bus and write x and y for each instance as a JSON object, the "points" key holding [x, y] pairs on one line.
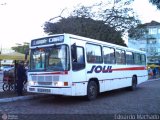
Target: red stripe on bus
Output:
{"points": [[131, 68], [52, 73]]}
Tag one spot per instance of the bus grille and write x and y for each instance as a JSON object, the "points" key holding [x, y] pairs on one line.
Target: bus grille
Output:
{"points": [[45, 80]]}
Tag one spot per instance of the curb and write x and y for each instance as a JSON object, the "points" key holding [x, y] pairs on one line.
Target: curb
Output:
{"points": [[153, 80], [29, 97]]}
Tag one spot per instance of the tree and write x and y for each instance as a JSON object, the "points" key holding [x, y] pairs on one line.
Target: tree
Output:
{"points": [[21, 48], [3, 3], [86, 27], [115, 13], [156, 3]]}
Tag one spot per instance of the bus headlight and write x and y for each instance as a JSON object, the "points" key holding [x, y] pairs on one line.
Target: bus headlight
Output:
{"points": [[31, 83]]}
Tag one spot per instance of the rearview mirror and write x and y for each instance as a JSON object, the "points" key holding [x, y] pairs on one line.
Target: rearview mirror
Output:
{"points": [[74, 52], [26, 53]]}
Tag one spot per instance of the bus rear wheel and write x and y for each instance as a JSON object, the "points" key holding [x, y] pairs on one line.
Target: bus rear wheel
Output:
{"points": [[92, 90], [134, 83]]}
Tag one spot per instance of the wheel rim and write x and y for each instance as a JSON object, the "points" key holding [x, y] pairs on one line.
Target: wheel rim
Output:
{"points": [[92, 91], [134, 85]]}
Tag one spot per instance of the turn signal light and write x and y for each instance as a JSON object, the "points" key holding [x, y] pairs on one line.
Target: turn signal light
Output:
{"points": [[65, 83]]}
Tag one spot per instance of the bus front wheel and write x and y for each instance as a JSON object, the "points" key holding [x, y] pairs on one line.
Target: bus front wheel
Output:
{"points": [[92, 90]]}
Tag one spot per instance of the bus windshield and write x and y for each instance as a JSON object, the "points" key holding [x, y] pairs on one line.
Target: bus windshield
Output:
{"points": [[54, 58]]}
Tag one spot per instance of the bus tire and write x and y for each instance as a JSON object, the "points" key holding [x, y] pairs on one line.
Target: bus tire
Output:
{"points": [[5, 87], [92, 90], [134, 83]]}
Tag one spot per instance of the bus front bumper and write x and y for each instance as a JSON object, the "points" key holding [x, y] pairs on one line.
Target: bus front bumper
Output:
{"points": [[50, 90]]}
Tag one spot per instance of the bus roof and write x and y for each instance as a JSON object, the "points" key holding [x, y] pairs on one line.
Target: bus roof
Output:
{"points": [[102, 43], [91, 41]]}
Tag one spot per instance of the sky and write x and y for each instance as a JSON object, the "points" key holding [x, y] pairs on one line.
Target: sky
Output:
{"points": [[22, 20]]}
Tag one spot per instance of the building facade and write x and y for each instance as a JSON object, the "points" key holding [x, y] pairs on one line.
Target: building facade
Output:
{"points": [[6, 62], [150, 43]]}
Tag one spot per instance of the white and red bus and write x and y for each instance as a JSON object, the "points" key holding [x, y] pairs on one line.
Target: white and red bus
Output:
{"points": [[71, 65]]}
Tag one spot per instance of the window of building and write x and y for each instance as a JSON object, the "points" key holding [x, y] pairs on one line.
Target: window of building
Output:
{"points": [[120, 56], [151, 41], [158, 40], [94, 53], [109, 55], [152, 31], [152, 49], [159, 31], [158, 50]]}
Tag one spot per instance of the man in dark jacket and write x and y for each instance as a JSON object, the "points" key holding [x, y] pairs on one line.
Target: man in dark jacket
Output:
{"points": [[21, 77]]}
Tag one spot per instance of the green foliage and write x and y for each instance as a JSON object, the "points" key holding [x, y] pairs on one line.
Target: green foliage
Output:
{"points": [[106, 21], [115, 13], [21, 48], [156, 3], [86, 27]]}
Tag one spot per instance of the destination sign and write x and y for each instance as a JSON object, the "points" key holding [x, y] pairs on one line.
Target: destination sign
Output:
{"points": [[47, 40]]}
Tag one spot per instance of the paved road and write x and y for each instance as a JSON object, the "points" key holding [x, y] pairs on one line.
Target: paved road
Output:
{"points": [[1, 83], [145, 100]]}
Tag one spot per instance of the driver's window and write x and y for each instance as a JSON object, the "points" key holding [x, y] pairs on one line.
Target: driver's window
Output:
{"points": [[80, 55], [80, 62]]}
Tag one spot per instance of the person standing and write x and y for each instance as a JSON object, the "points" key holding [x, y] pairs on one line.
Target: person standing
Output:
{"points": [[154, 73], [21, 77]]}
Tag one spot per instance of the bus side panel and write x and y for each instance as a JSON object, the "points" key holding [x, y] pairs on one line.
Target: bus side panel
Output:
{"points": [[79, 83], [120, 77], [142, 78], [103, 78], [124, 77]]}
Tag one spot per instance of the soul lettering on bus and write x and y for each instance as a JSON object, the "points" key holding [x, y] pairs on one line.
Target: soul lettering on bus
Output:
{"points": [[98, 69]]}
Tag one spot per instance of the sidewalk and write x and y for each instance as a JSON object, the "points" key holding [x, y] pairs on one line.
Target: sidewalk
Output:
{"points": [[11, 96], [154, 77]]}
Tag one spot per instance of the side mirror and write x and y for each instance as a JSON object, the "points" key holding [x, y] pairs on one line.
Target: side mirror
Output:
{"points": [[74, 52], [26, 53]]}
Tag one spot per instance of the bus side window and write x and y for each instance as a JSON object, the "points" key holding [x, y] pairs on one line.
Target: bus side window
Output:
{"points": [[120, 56], [109, 55], [137, 58], [143, 59], [94, 53], [79, 63], [129, 58]]}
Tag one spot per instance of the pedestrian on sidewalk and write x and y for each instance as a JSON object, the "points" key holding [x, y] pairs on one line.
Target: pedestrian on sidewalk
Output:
{"points": [[154, 73], [150, 73], [21, 75]]}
